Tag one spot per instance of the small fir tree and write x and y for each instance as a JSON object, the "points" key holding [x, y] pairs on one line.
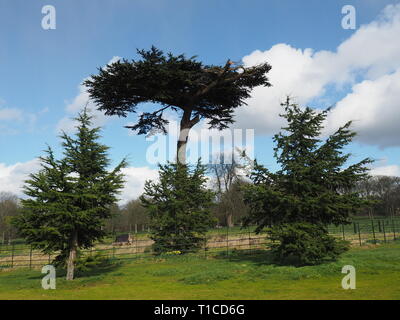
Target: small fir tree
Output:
{"points": [[70, 198], [312, 189], [179, 207]]}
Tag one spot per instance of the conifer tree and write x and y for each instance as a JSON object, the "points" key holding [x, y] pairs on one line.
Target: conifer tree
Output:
{"points": [[312, 189], [193, 90], [70, 198], [179, 207]]}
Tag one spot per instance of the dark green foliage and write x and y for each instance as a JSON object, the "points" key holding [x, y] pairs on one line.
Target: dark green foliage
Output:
{"points": [[304, 243], [91, 262], [203, 91], [313, 185], [177, 83], [70, 198], [179, 208], [86, 264], [83, 262]]}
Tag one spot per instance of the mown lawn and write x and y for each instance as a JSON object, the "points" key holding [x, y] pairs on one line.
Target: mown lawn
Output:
{"points": [[242, 276]]}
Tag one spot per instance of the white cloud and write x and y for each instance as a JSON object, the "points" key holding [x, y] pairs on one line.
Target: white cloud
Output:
{"points": [[374, 105], [67, 123], [12, 177], [291, 74], [135, 178], [370, 54], [390, 170], [15, 120], [10, 114]]}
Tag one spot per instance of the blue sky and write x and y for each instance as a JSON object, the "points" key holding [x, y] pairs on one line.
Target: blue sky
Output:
{"points": [[41, 70]]}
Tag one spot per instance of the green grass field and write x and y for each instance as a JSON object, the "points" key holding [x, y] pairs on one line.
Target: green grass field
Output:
{"points": [[241, 276]]}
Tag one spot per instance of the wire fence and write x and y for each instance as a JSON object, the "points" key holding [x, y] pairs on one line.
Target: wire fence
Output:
{"points": [[365, 231], [223, 240]]}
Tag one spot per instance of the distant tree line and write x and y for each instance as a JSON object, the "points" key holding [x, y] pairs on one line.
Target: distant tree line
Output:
{"points": [[230, 209], [131, 217], [385, 190], [9, 207]]}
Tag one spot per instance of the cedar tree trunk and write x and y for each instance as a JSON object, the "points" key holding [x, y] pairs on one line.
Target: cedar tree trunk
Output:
{"points": [[185, 126], [72, 256]]}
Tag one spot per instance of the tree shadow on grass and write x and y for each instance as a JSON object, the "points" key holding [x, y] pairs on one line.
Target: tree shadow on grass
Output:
{"points": [[91, 272], [261, 257], [257, 257], [97, 270]]}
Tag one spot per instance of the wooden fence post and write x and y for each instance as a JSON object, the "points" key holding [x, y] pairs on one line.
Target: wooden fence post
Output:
{"points": [[249, 240], [30, 258], [136, 243], [373, 231], [383, 228], [12, 255], [227, 240], [394, 230]]}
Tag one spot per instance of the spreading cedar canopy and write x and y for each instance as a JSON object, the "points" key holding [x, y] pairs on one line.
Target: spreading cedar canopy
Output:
{"points": [[193, 90]]}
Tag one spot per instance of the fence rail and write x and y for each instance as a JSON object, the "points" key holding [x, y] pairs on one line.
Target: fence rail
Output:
{"points": [[223, 240]]}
